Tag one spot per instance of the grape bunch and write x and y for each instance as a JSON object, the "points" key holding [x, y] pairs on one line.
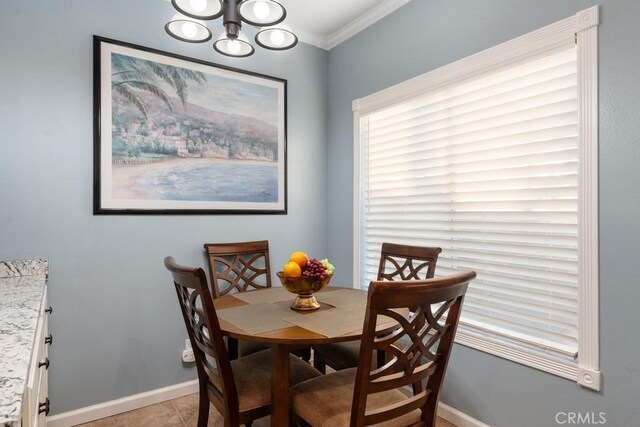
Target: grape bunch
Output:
{"points": [[314, 270], [328, 267]]}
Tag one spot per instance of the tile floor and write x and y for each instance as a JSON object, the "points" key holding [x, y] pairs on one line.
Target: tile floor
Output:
{"points": [[181, 412]]}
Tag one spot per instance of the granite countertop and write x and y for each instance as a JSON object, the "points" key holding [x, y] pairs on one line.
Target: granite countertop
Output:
{"points": [[22, 285]]}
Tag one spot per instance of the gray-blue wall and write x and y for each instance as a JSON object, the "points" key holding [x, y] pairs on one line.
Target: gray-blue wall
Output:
{"points": [[426, 34], [116, 321]]}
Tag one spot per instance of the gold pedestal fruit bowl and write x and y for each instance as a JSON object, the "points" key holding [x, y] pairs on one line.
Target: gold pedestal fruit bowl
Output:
{"points": [[304, 287]]}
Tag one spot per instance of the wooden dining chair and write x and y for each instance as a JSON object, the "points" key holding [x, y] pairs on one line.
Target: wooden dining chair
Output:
{"points": [[239, 389], [238, 267], [406, 389], [242, 267], [397, 262]]}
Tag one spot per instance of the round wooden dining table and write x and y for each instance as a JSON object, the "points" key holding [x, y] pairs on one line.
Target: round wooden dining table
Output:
{"points": [[287, 338]]}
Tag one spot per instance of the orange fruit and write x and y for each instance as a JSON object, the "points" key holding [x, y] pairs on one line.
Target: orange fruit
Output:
{"points": [[292, 269], [299, 258]]}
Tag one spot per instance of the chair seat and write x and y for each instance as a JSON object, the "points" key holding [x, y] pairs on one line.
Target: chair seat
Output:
{"points": [[326, 401], [253, 378], [339, 355], [245, 348]]}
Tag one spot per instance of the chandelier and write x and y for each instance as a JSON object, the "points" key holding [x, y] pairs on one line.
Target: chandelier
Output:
{"points": [[188, 25]]}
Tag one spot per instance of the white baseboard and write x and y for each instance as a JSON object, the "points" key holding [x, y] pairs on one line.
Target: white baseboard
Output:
{"points": [[136, 401], [118, 406], [458, 418]]}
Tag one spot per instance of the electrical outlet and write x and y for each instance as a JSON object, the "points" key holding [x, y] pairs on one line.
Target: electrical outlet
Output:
{"points": [[187, 353], [188, 357]]}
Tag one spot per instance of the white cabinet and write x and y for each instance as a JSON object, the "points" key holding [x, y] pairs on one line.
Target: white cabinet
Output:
{"points": [[36, 402]]}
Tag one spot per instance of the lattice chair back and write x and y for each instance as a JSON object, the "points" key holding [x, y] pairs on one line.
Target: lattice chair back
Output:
{"points": [[418, 362], [214, 369], [238, 266], [405, 262]]}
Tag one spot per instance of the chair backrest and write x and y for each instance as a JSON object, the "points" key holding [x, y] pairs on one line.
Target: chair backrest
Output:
{"points": [[200, 318], [238, 266], [431, 330], [405, 262]]}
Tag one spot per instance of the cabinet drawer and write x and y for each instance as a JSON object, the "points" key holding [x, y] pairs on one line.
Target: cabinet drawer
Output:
{"points": [[40, 418], [38, 373]]}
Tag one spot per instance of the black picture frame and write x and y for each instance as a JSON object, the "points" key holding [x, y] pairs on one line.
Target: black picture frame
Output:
{"points": [[178, 135]]}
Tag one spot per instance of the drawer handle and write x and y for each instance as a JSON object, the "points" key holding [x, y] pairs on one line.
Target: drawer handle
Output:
{"points": [[49, 310], [45, 363], [44, 407], [49, 339]]}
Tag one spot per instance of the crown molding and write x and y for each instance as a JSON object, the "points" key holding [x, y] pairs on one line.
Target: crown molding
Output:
{"points": [[310, 38], [365, 20]]}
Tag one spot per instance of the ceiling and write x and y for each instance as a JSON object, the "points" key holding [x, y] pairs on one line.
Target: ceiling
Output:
{"points": [[327, 23]]}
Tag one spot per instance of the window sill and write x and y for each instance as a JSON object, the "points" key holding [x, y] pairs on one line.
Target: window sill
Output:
{"points": [[532, 358]]}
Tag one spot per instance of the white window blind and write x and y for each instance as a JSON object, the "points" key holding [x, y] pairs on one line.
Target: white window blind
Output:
{"points": [[486, 169]]}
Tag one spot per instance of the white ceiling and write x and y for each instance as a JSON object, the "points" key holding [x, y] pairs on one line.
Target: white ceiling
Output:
{"points": [[327, 23]]}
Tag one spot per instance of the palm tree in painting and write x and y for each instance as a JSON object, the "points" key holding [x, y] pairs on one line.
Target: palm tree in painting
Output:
{"points": [[131, 76]]}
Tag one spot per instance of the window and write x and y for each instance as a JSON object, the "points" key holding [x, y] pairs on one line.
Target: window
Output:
{"points": [[493, 158]]}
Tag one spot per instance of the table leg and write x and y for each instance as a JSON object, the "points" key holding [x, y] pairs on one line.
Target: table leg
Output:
{"points": [[280, 386]]}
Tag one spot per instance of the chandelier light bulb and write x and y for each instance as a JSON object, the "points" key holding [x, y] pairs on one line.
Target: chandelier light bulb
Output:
{"points": [[200, 9], [261, 10], [198, 5], [261, 13], [234, 46], [277, 37], [189, 29]]}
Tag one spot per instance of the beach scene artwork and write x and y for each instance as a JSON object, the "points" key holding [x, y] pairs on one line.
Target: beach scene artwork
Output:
{"points": [[189, 136]]}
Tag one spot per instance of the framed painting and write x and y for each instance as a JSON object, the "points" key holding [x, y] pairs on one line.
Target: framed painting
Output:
{"points": [[175, 135]]}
